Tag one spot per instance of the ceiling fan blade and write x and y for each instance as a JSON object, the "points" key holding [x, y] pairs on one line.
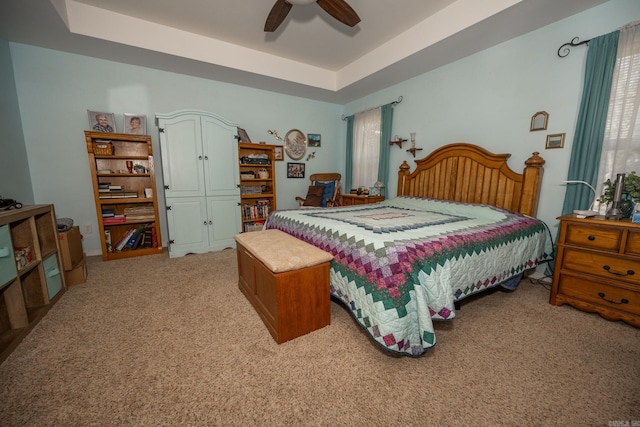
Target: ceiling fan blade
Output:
{"points": [[340, 10], [279, 11]]}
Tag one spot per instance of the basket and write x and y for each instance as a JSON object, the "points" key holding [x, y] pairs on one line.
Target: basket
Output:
{"points": [[103, 148]]}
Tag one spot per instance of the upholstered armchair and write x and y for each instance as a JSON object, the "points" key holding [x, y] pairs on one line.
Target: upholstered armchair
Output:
{"points": [[324, 191]]}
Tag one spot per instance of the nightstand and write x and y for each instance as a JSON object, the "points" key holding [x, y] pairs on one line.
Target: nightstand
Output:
{"points": [[598, 267], [354, 199]]}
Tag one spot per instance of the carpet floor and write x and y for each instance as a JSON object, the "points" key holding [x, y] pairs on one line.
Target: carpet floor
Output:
{"points": [[154, 341]]}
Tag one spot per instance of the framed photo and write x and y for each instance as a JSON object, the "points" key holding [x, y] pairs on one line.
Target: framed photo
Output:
{"points": [[295, 144], [135, 124], [555, 141], [242, 135], [295, 170], [279, 152], [101, 122], [314, 139], [539, 121]]}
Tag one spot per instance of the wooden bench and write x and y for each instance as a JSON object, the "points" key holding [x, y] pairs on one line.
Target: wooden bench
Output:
{"points": [[287, 282]]}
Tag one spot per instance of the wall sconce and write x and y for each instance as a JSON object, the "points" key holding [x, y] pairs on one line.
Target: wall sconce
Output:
{"points": [[413, 148], [398, 141]]}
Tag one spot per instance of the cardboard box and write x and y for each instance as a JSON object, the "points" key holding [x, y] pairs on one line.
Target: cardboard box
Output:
{"points": [[77, 275], [70, 247]]}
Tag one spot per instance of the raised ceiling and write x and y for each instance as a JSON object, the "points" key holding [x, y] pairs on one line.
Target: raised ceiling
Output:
{"points": [[310, 55]]}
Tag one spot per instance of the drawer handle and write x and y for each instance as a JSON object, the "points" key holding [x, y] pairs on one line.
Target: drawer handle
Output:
{"points": [[591, 237], [622, 301], [628, 273]]}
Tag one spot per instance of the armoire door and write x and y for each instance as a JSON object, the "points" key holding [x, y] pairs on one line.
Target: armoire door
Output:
{"points": [[220, 149], [188, 225], [182, 156], [224, 217]]}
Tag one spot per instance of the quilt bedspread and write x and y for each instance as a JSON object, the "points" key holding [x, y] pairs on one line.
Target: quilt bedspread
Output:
{"points": [[402, 263]]}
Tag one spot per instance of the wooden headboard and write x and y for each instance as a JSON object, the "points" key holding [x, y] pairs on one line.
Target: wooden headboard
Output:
{"points": [[467, 173]]}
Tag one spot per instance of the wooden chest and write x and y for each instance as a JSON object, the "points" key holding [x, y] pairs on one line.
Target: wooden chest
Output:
{"points": [[292, 302]]}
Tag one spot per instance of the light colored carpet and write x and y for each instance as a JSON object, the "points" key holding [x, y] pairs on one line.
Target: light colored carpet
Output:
{"points": [[153, 341]]}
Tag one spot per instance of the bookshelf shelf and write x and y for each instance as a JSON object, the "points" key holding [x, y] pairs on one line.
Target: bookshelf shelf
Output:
{"points": [[130, 152]]}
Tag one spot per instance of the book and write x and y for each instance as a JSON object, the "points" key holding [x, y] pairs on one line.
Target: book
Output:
{"points": [[124, 239], [132, 239], [118, 195], [138, 240], [114, 220], [107, 240]]}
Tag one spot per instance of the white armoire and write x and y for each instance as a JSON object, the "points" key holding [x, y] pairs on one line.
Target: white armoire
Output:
{"points": [[199, 156]]}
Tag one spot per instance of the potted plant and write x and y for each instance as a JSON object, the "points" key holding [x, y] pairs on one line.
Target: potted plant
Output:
{"points": [[630, 193]]}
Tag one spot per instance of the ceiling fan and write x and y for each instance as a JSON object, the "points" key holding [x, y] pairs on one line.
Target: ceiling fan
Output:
{"points": [[339, 9]]}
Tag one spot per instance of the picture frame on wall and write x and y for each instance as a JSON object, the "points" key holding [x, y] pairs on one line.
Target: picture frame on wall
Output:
{"points": [[555, 141], [278, 152], [313, 140], [295, 144], [295, 170], [100, 121], [135, 124], [539, 121]]}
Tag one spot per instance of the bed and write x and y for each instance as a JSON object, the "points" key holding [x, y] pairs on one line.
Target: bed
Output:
{"points": [[463, 222]]}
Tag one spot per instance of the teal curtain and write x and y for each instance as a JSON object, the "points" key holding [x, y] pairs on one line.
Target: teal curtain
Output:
{"points": [[592, 117], [348, 176], [385, 136]]}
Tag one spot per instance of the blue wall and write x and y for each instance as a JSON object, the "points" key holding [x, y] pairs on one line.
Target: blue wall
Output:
{"points": [[487, 99], [15, 181], [54, 102]]}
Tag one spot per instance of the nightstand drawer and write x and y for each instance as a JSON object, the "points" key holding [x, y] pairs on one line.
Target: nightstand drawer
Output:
{"points": [[633, 244], [603, 238], [612, 297], [609, 267]]}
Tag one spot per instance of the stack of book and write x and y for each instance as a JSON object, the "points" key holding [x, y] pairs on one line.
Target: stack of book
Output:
{"points": [[140, 213], [108, 191], [109, 216]]}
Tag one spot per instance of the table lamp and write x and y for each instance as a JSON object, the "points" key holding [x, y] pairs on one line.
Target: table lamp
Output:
{"points": [[378, 186], [581, 213]]}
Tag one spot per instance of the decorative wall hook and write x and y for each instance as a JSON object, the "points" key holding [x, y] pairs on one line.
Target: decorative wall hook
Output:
{"points": [[564, 50], [311, 156], [275, 134]]}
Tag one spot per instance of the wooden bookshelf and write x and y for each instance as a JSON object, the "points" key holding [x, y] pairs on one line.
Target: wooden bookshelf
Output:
{"points": [[127, 166]]}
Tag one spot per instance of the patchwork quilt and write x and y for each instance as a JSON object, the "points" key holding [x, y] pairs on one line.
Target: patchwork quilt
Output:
{"points": [[402, 263]]}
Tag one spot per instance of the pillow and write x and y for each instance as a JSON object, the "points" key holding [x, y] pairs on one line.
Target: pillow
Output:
{"points": [[329, 189], [314, 196]]}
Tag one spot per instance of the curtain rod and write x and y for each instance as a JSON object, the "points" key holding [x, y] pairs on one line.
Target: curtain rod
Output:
{"points": [[398, 101], [573, 43]]}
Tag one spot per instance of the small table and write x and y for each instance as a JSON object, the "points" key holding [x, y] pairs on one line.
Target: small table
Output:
{"points": [[354, 199]]}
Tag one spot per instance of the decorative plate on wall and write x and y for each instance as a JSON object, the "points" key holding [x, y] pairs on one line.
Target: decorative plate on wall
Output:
{"points": [[295, 144]]}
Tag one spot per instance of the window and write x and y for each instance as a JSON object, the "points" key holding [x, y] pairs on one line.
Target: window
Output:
{"points": [[366, 148], [621, 144]]}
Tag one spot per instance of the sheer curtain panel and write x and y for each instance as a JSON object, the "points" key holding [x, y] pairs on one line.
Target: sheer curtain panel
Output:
{"points": [[621, 144], [366, 148]]}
